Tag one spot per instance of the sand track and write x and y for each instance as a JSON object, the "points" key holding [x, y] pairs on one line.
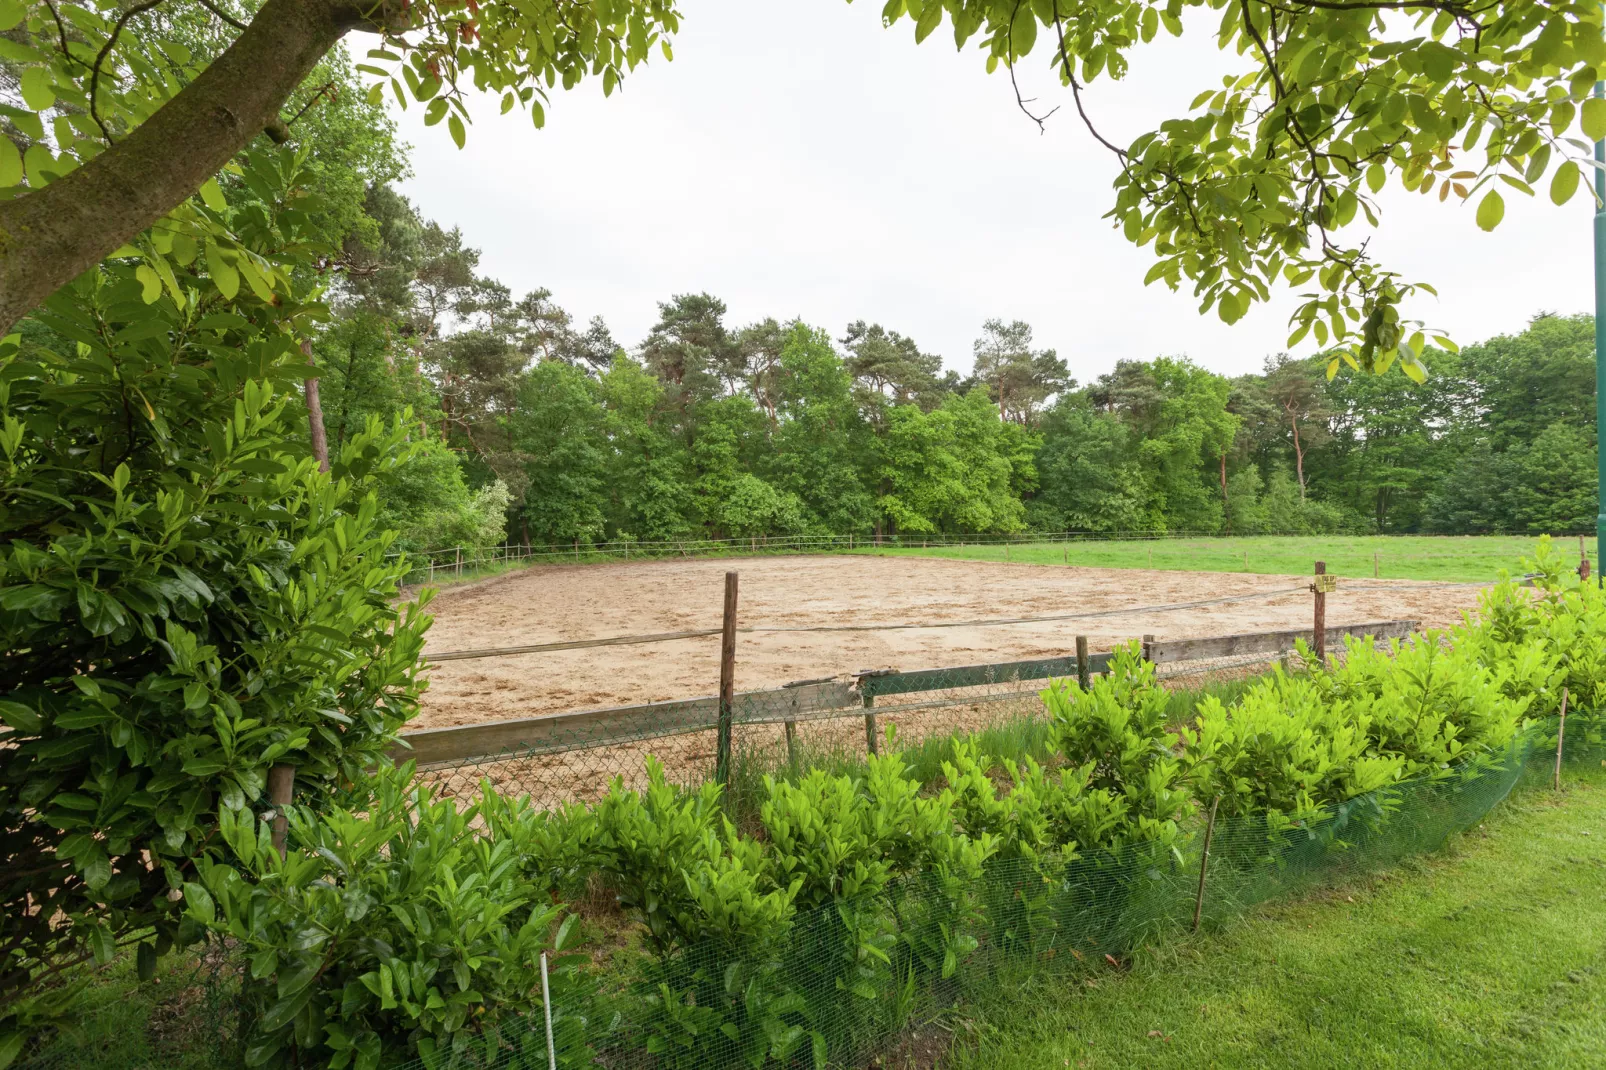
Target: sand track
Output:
{"points": [[550, 603]]}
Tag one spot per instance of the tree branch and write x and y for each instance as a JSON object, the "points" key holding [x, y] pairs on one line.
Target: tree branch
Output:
{"points": [[51, 235]]}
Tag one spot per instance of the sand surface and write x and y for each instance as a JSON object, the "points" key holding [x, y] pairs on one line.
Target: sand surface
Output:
{"points": [[553, 603]]}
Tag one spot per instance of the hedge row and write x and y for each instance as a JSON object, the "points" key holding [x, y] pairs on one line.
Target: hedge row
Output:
{"points": [[412, 929]]}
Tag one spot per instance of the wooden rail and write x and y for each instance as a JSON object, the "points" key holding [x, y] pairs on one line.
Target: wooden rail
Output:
{"points": [[620, 724], [1163, 652], [810, 699]]}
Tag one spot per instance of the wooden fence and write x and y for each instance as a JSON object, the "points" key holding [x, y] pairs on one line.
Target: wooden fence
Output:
{"points": [[851, 695]]}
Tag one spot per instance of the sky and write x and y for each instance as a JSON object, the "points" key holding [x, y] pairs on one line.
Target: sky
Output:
{"points": [[798, 160]]}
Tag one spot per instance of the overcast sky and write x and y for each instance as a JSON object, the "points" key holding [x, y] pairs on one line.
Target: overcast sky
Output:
{"points": [[798, 160]]}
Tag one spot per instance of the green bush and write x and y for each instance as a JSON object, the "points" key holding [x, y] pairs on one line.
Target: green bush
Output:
{"points": [[1283, 752], [401, 931], [1120, 727], [185, 600]]}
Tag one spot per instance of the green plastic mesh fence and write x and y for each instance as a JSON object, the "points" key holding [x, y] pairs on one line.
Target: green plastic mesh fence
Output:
{"points": [[850, 978], [827, 723]]}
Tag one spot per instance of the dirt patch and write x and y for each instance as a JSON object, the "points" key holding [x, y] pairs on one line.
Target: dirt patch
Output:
{"points": [[551, 603]]}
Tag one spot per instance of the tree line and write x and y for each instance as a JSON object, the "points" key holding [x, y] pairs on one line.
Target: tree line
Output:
{"points": [[537, 428]]}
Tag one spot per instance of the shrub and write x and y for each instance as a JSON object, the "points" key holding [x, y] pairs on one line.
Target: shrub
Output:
{"points": [[389, 934], [1283, 752], [185, 600], [1433, 704], [1119, 728]]}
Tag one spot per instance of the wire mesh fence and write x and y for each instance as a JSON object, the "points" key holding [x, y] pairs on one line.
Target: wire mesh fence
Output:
{"points": [[815, 998], [830, 723]]}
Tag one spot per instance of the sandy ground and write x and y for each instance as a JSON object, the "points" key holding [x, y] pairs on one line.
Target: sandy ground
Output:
{"points": [[566, 602]]}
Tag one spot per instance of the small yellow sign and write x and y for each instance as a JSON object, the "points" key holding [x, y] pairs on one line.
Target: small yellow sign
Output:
{"points": [[1325, 584]]}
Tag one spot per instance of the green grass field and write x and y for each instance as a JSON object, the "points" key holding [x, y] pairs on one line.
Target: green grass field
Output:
{"points": [[1491, 953], [1413, 557]]}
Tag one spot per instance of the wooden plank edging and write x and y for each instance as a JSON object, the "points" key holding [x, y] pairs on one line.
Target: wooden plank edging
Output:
{"points": [[1222, 646]]}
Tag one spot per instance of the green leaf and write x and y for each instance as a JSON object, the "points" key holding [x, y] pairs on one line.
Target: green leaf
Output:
{"points": [[11, 1042], [10, 163], [1491, 210], [435, 112], [455, 125], [198, 902], [37, 91], [11, 13], [1564, 183], [213, 196], [20, 717], [1593, 118], [223, 272], [145, 961], [150, 283]]}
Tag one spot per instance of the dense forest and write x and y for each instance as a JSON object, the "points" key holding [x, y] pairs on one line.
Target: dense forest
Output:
{"points": [[528, 425], [541, 429]]}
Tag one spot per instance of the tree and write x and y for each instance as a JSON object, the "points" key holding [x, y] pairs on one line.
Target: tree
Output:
{"points": [[1184, 434], [820, 441], [557, 430], [162, 122], [690, 350], [648, 490], [1018, 377], [1252, 190], [890, 368], [1295, 388], [1091, 478]]}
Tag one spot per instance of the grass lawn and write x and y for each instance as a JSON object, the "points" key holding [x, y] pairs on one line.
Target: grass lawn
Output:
{"points": [[1414, 557], [1491, 953]]}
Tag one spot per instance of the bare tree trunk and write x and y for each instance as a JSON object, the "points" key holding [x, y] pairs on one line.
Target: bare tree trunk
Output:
{"points": [[1299, 453], [320, 439], [1226, 505]]}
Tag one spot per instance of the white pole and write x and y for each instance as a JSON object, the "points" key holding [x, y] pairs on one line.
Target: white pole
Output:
{"points": [[546, 1005]]}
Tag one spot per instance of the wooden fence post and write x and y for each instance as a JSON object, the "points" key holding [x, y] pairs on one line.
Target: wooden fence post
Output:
{"points": [[1148, 649], [281, 786], [727, 682], [870, 725], [1374, 565], [1320, 586], [1583, 560], [1084, 675]]}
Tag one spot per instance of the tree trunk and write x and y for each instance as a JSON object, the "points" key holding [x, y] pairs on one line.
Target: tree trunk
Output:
{"points": [[320, 439], [1299, 454], [1226, 505], [52, 235]]}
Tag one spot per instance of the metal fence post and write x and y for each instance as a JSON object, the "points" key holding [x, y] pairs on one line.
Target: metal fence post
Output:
{"points": [[727, 682]]}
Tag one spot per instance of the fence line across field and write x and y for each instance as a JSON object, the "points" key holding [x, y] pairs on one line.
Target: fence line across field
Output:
{"points": [[455, 559], [856, 694], [664, 637]]}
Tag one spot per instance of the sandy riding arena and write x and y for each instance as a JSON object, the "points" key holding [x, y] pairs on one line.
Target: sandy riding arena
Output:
{"points": [[558, 603]]}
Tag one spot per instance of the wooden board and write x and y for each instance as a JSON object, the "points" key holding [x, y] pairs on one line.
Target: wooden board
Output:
{"points": [[620, 724], [1163, 652], [904, 683]]}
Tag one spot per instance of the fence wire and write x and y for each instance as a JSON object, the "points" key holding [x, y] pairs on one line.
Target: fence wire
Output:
{"points": [[576, 758], [814, 999]]}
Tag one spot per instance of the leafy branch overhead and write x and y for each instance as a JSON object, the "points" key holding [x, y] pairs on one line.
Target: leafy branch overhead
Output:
{"points": [[1261, 184]]}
